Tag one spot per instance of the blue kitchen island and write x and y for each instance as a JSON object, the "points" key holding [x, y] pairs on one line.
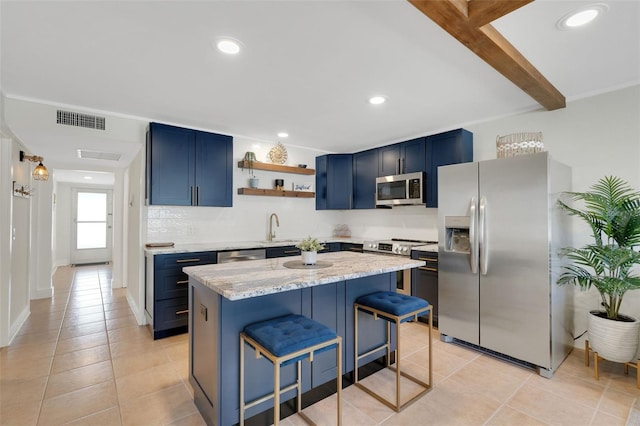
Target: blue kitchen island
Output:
{"points": [[224, 298]]}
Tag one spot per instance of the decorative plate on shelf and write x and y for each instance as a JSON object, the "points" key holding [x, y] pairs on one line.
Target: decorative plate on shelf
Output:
{"points": [[278, 154]]}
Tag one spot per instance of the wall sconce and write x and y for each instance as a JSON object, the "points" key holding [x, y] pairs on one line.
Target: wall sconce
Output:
{"points": [[40, 172]]}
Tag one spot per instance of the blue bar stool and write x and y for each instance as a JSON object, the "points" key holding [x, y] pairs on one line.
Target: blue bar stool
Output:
{"points": [[285, 340], [397, 308]]}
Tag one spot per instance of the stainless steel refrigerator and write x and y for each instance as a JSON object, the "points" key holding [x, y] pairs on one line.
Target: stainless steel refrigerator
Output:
{"points": [[499, 234]]}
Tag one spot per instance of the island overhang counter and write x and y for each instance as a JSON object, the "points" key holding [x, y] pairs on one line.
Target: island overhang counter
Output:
{"points": [[224, 298]]}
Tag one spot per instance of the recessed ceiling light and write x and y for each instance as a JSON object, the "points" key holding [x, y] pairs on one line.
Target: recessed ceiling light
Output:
{"points": [[88, 177], [377, 100], [283, 135], [228, 46], [582, 16]]}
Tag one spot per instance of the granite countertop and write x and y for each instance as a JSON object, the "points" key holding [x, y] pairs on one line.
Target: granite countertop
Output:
{"points": [[242, 280], [239, 245]]}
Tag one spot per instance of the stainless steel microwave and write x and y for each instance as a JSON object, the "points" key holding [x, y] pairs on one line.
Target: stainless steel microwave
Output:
{"points": [[398, 190]]}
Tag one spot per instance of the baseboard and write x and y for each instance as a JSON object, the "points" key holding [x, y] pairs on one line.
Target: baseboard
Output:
{"points": [[43, 293], [17, 325], [140, 316]]}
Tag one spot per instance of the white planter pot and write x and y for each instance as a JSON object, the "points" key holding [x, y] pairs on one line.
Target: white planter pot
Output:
{"points": [[253, 182], [615, 341], [309, 257]]}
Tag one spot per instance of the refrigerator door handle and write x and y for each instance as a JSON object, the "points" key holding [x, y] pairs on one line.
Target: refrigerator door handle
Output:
{"points": [[483, 240], [473, 242]]}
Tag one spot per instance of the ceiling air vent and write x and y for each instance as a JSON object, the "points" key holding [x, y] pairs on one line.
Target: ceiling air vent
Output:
{"points": [[97, 155], [80, 120]]}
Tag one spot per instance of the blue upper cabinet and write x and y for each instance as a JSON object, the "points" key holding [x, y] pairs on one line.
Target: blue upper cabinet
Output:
{"points": [[443, 149], [334, 182], [365, 172], [188, 168], [214, 168], [404, 157]]}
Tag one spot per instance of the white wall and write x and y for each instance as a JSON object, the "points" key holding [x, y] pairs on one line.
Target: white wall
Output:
{"points": [[20, 244], [63, 208], [136, 228], [5, 240], [596, 136], [41, 256]]}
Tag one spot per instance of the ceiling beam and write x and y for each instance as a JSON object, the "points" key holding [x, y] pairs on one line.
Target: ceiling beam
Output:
{"points": [[485, 41], [483, 12]]}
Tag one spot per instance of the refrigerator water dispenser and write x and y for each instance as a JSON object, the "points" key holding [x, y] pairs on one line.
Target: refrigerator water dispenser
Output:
{"points": [[457, 234]]}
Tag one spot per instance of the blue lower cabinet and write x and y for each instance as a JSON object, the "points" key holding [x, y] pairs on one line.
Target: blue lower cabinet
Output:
{"points": [[170, 289], [351, 247], [330, 247], [273, 252], [172, 314]]}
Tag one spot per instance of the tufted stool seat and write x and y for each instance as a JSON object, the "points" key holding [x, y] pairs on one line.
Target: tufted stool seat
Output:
{"points": [[394, 308], [285, 340]]}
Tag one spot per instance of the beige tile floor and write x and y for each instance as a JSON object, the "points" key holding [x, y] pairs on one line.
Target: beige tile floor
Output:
{"points": [[81, 359]]}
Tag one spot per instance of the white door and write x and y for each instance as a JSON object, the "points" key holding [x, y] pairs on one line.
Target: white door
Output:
{"points": [[92, 227]]}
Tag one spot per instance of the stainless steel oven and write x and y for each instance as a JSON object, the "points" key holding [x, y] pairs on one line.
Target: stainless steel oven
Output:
{"points": [[396, 247]]}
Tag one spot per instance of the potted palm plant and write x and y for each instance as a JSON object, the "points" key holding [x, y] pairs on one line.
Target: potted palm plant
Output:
{"points": [[309, 248], [612, 210]]}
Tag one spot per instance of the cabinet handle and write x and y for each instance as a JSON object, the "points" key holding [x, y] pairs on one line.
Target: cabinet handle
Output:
{"points": [[404, 166], [187, 260], [186, 311], [182, 282], [428, 259], [197, 195], [423, 268], [291, 251], [192, 195], [398, 168]]}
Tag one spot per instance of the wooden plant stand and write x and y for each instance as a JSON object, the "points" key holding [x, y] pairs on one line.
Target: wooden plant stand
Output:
{"points": [[597, 359]]}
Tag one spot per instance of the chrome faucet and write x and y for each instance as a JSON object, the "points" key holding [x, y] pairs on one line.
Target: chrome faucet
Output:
{"points": [[272, 234]]}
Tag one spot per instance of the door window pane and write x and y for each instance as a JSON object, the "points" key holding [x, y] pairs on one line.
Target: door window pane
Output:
{"points": [[92, 235], [92, 206]]}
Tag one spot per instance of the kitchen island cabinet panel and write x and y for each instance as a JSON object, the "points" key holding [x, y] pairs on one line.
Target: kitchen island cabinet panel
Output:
{"points": [[225, 342], [225, 298], [371, 332], [325, 301]]}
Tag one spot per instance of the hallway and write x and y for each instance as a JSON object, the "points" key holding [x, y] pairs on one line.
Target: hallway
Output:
{"points": [[81, 356], [81, 359]]}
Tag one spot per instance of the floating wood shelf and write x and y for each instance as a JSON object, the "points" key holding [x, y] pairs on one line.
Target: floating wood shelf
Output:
{"points": [[275, 193], [257, 165]]}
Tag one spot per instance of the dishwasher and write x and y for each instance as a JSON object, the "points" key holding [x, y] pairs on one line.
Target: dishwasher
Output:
{"points": [[241, 255]]}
